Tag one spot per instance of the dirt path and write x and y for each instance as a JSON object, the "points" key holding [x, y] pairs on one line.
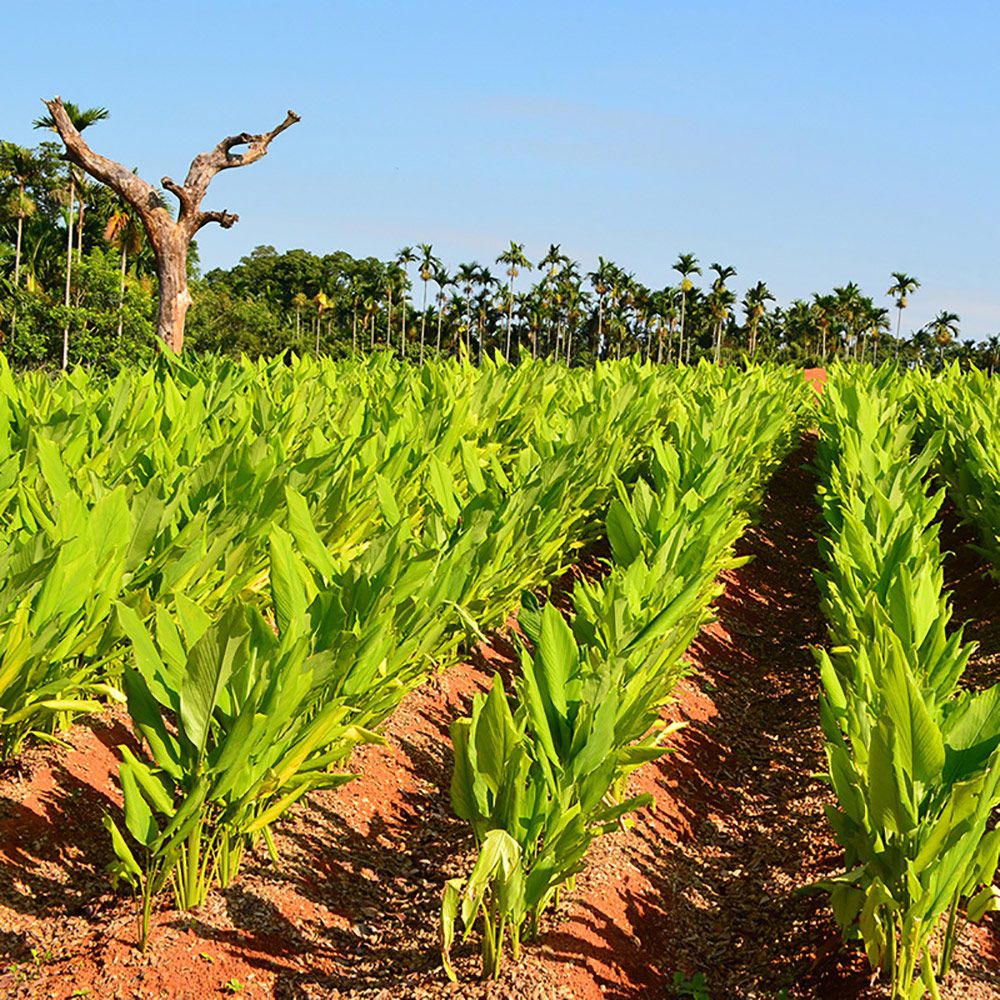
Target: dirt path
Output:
{"points": [[705, 884]]}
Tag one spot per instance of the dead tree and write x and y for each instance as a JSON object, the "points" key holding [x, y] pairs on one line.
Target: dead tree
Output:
{"points": [[169, 238]]}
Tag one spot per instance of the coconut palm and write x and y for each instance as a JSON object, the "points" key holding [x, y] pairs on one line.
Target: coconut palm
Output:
{"points": [[902, 287], [81, 120], [685, 265]]}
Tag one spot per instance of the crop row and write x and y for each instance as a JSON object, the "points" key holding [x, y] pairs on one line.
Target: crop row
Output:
{"points": [[540, 775], [913, 757], [262, 560]]}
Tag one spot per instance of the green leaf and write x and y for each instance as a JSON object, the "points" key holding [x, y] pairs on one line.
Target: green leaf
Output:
{"points": [[303, 530], [288, 587], [558, 658], [209, 667]]}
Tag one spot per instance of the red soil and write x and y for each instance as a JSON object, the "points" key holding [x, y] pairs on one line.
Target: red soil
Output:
{"points": [[816, 377], [705, 883]]}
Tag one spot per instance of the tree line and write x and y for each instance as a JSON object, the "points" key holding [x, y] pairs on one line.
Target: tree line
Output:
{"points": [[78, 285]]}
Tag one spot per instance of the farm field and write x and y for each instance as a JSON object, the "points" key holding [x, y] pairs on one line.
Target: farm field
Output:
{"points": [[496, 596]]}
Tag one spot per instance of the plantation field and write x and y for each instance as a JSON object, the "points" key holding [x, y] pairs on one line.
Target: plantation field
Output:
{"points": [[362, 680]]}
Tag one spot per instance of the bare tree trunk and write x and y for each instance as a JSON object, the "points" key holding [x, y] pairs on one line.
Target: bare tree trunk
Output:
{"points": [[171, 269], [169, 239]]}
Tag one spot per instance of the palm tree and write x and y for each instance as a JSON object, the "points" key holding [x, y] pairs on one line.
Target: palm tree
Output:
{"points": [[602, 281], [428, 265], [467, 274], [754, 307], [991, 353], [21, 164], [823, 308], [685, 265], [514, 258], [720, 300], [572, 295], [551, 264], [902, 287], [320, 301], [404, 258], [442, 279], [944, 329], [300, 301], [81, 120], [487, 283], [124, 231], [878, 324], [664, 304]]}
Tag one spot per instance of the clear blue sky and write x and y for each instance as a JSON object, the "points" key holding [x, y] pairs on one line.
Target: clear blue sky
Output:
{"points": [[808, 144]]}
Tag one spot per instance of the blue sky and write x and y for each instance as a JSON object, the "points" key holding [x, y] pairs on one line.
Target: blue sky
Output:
{"points": [[808, 144]]}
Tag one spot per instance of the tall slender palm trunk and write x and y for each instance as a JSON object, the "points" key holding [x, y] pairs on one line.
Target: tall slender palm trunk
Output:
{"points": [[680, 342], [510, 315], [388, 324], [596, 346], [121, 289], [69, 269], [17, 261], [423, 325]]}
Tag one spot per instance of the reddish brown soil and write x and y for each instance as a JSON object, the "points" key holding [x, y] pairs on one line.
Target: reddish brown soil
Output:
{"points": [[816, 377], [703, 884]]}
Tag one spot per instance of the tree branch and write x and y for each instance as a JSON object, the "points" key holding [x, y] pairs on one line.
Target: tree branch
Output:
{"points": [[176, 190], [206, 165], [224, 219], [140, 194]]}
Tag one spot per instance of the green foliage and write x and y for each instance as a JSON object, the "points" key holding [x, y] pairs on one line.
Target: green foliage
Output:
{"points": [[914, 760], [539, 781]]}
